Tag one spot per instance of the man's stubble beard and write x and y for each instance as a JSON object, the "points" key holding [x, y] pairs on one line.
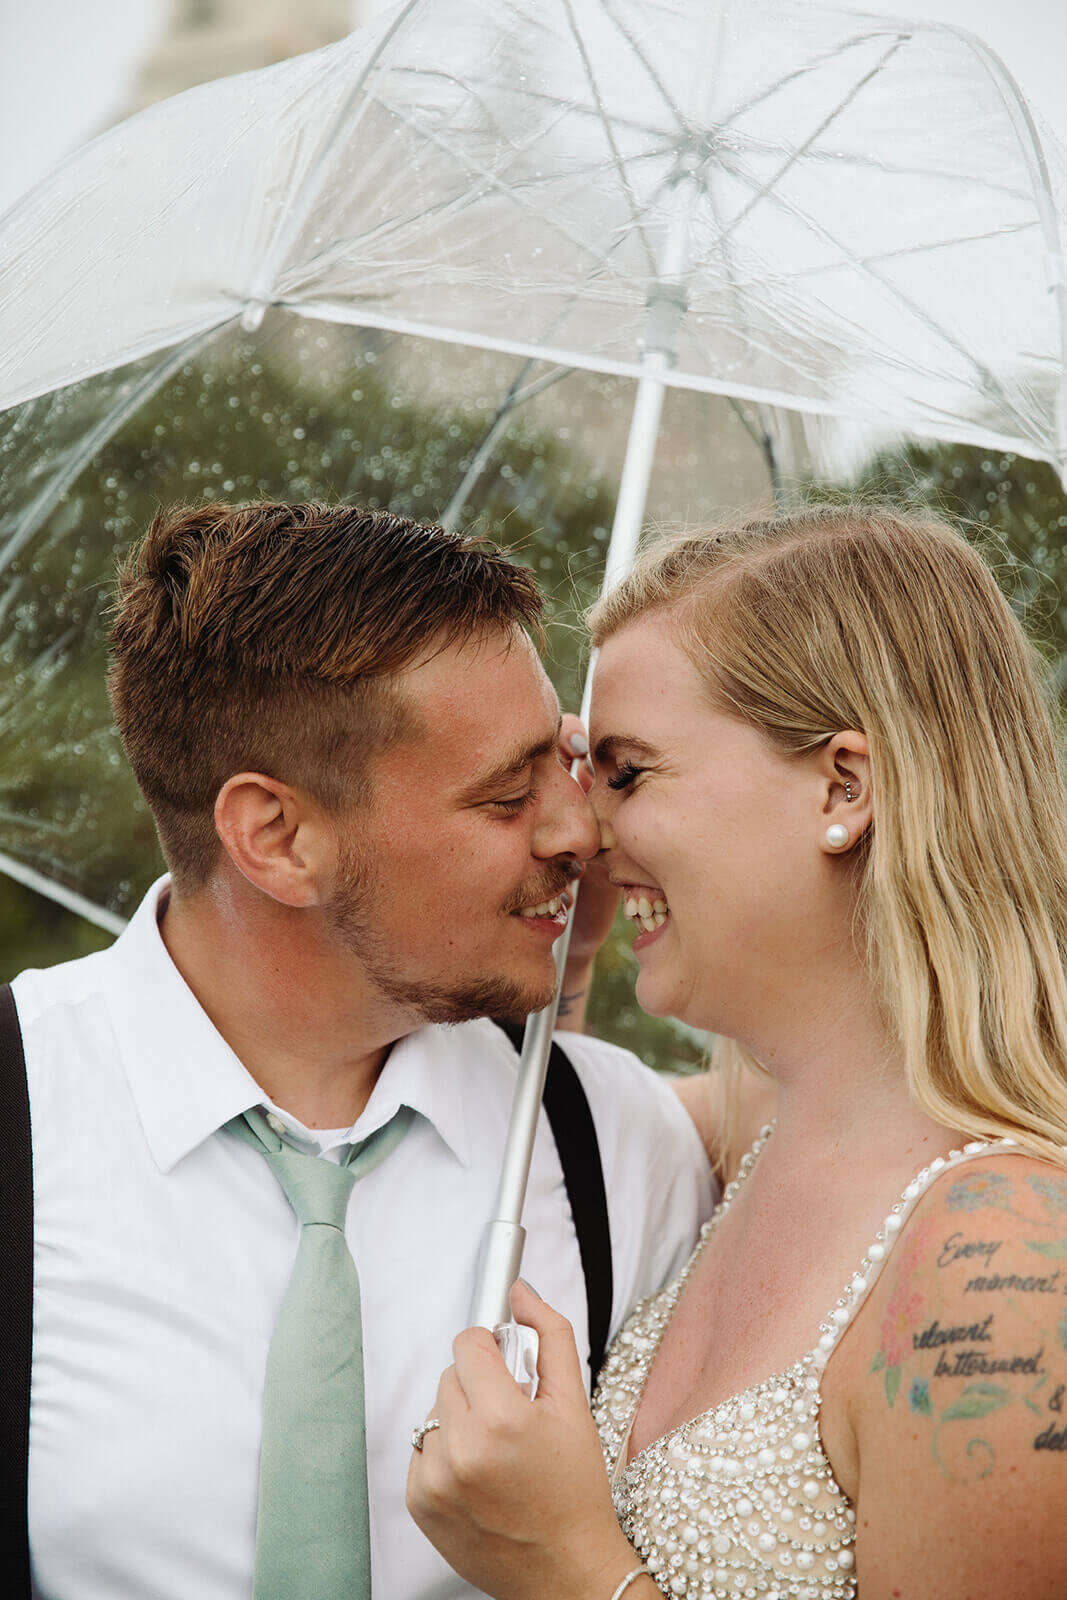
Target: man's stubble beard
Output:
{"points": [[350, 912]]}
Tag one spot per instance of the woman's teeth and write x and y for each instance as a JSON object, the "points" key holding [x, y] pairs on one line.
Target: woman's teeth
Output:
{"points": [[547, 908], [649, 913]]}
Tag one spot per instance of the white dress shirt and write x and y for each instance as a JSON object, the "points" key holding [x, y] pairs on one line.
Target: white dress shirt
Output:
{"points": [[164, 1246]]}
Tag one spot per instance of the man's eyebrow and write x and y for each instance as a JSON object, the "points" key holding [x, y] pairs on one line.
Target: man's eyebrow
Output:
{"points": [[606, 747], [512, 765]]}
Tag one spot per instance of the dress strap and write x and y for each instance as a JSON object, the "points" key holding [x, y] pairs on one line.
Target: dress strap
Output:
{"points": [[747, 1162], [870, 1268], [668, 1298]]}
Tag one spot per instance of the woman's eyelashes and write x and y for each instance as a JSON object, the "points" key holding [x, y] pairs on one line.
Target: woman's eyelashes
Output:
{"points": [[626, 775]]}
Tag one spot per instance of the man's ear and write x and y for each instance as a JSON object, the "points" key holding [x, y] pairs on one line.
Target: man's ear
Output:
{"points": [[847, 804], [275, 836]]}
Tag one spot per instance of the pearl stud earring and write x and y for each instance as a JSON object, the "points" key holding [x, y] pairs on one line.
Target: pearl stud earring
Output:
{"points": [[836, 835]]}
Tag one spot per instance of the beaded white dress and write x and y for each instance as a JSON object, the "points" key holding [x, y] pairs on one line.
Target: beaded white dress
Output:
{"points": [[740, 1503]]}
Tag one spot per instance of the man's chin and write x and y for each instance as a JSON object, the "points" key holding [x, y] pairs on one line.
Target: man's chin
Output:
{"points": [[498, 997]]}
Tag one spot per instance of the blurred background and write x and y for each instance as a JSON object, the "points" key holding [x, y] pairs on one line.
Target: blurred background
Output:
{"points": [[296, 410]]}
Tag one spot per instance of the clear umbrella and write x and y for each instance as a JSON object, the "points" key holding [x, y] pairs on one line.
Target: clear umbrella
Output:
{"points": [[795, 206], [792, 205], [832, 212]]}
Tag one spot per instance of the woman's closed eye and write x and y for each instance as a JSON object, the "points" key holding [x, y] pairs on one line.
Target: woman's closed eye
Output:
{"points": [[626, 775]]}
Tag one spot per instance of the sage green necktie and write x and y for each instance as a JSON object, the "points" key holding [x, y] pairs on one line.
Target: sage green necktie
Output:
{"points": [[312, 1527]]}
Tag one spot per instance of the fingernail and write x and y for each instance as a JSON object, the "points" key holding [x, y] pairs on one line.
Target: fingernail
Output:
{"points": [[579, 744], [531, 1288]]}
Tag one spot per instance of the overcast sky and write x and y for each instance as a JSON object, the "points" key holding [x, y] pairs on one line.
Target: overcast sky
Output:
{"points": [[67, 66]]}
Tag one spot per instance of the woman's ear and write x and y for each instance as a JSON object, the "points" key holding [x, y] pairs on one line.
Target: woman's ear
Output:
{"points": [[274, 835], [847, 801]]}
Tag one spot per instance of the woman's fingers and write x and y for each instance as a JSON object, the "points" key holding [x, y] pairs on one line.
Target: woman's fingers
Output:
{"points": [[487, 1385], [451, 1399], [488, 1388], [573, 739], [559, 1366], [573, 746], [513, 1492]]}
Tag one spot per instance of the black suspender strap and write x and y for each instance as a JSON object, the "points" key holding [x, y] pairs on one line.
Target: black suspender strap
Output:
{"points": [[16, 1324], [574, 1131]]}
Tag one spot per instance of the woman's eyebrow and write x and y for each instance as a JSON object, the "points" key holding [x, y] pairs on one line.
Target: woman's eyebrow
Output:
{"points": [[606, 747]]}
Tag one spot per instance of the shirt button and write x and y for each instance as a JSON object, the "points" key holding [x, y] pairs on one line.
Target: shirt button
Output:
{"points": [[275, 1122]]}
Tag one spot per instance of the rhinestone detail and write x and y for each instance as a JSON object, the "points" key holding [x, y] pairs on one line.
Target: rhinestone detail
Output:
{"points": [[742, 1501]]}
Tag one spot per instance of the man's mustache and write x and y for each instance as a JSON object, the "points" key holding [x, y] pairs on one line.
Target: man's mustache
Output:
{"points": [[542, 889]]}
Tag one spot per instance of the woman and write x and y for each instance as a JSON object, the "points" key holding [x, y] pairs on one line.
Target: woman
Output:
{"points": [[821, 745]]}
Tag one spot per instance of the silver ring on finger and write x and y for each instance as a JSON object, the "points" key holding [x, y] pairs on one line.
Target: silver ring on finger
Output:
{"points": [[419, 1434]]}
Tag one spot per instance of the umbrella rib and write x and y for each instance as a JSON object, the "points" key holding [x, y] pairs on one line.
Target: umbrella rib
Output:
{"points": [[631, 124], [653, 75], [985, 375], [26, 526], [749, 142], [727, 257], [831, 55], [396, 224], [31, 824], [794, 156], [739, 412], [1033, 154], [309, 307], [620, 166], [510, 402], [78, 903], [761, 393], [511, 193], [262, 288], [891, 169], [908, 250], [752, 143]]}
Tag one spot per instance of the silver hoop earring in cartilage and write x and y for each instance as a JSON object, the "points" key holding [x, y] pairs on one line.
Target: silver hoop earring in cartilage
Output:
{"points": [[849, 792]]}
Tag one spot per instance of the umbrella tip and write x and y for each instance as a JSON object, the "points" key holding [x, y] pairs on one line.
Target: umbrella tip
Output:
{"points": [[253, 315]]}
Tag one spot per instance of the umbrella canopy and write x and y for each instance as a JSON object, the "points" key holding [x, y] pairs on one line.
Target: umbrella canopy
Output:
{"points": [[789, 204], [832, 212]]}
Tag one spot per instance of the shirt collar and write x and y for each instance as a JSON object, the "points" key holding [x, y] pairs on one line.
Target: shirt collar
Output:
{"points": [[430, 1070], [185, 1080], [187, 1083]]}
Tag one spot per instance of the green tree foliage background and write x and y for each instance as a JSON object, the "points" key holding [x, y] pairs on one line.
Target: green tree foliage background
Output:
{"points": [[314, 419]]}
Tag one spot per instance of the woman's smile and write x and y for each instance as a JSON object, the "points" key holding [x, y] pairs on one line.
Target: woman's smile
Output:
{"points": [[647, 908]]}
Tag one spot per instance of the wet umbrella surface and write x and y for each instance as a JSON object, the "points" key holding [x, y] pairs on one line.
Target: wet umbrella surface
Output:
{"points": [[431, 265]]}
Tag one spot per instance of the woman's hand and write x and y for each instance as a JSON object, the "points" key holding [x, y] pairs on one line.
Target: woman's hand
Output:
{"points": [[513, 1492]]}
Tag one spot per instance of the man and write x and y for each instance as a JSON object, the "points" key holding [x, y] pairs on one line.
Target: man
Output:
{"points": [[350, 750]]}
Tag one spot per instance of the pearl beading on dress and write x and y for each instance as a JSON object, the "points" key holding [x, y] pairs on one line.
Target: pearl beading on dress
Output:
{"points": [[741, 1501]]}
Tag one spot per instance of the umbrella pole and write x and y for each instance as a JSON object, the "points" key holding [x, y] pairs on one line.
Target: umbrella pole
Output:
{"points": [[504, 1236]]}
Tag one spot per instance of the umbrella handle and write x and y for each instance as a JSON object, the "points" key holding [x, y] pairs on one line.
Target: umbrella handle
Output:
{"points": [[498, 1267], [519, 1345]]}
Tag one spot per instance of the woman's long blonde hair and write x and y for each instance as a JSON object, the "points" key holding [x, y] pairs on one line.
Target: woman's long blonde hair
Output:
{"points": [[853, 617]]}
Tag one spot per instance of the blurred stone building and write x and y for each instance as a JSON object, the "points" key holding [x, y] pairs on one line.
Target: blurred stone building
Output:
{"points": [[206, 39]]}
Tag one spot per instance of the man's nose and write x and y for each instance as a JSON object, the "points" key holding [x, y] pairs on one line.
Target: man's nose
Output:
{"points": [[567, 825]]}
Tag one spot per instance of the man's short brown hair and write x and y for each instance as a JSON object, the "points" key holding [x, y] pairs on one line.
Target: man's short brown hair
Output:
{"points": [[266, 638]]}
